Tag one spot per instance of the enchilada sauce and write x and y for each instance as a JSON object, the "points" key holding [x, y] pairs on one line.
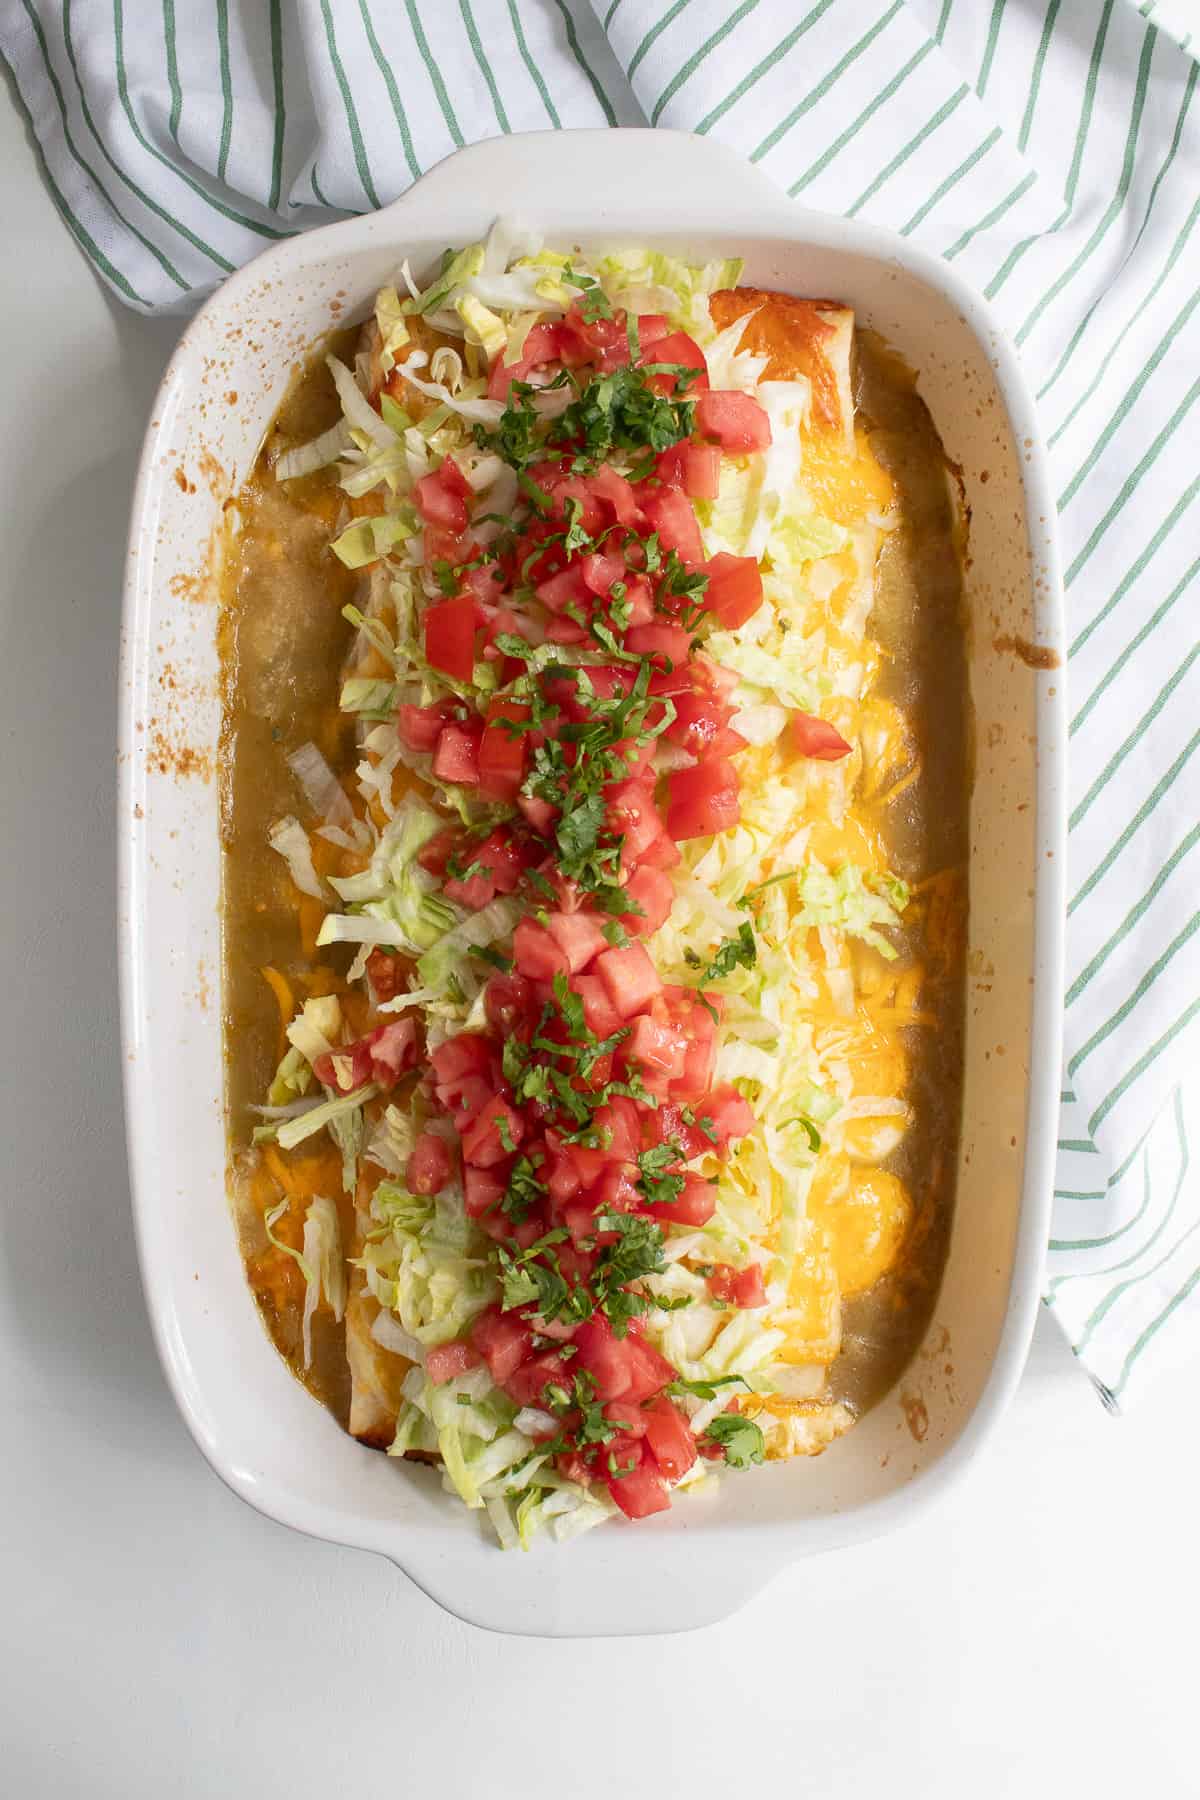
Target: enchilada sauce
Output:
{"points": [[882, 1205]]}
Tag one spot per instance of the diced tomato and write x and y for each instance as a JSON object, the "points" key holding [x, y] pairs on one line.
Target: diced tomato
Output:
{"points": [[617, 1189], [467, 1054], [649, 1372], [639, 601], [447, 546], [508, 1003], [630, 1420], [536, 954], [577, 1264], [420, 726], [562, 1181], [615, 492], [698, 1065], [600, 569], [634, 818], [456, 758], [445, 1362], [453, 479], [579, 1217], [638, 760], [504, 859], [543, 344], [566, 588], [466, 1099], [527, 1384], [429, 1165], [540, 813], [461, 1060], [482, 1193], [738, 1287], [654, 893], [818, 738], [619, 1126], [696, 468], [736, 420], [657, 1049], [484, 1141], [346, 1068], [565, 631], [651, 327], [641, 1492], [578, 936], [695, 1205], [676, 347], [503, 753], [450, 636], [735, 591], [727, 742], [598, 1011], [667, 1125], [436, 851], [703, 800], [476, 892], [660, 639], [573, 1468], [699, 720], [440, 503], [503, 1340], [730, 1114], [630, 978], [670, 514], [393, 1049], [605, 1357], [386, 974], [670, 1438], [663, 853]]}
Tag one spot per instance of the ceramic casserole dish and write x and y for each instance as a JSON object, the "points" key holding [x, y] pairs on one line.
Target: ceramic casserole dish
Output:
{"points": [[262, 1433]]}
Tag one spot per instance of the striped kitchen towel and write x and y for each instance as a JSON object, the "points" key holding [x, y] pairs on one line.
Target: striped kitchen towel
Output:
{"points": [[1050, 148]]}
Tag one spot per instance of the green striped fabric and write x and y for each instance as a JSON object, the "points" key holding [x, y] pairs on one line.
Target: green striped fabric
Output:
{"points": [[1049, 148]]}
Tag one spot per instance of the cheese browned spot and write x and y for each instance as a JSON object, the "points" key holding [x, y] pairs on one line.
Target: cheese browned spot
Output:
{"points": [[801, 337]]}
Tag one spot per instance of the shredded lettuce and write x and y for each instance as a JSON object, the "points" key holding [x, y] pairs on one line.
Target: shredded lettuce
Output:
{"points": [[397, 897], [360, 414], [426, 1262], [306, 458], [393, 329], [320, 1260], [294, 1131], [366, 540], [847, 900], [483, 327], [316, 1028], [787, 675], [362, 694], [323, 1255], [290, 839], [650, 281], [450, 957], [292, 1079]]}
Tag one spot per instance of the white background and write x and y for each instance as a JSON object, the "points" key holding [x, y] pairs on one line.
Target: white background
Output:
{"points": [[1035, 1637]]}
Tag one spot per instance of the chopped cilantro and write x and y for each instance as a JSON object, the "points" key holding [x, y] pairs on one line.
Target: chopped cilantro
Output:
{"points": [[739, 1437], [705, 1389], [659, 1177]]}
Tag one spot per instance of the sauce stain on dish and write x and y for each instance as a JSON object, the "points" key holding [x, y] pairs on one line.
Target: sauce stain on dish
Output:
{"points": [[1034, 656], [916, 1416]]}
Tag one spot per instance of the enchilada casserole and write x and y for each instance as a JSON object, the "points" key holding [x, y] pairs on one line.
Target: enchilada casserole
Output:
{"points": [[595, 833]]}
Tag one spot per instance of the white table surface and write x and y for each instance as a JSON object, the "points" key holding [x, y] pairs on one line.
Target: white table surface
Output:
{"points": [[1035, 1637]]}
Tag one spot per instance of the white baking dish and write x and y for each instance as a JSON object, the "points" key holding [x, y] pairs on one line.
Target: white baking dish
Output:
{"points": [[261, 1432]]}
